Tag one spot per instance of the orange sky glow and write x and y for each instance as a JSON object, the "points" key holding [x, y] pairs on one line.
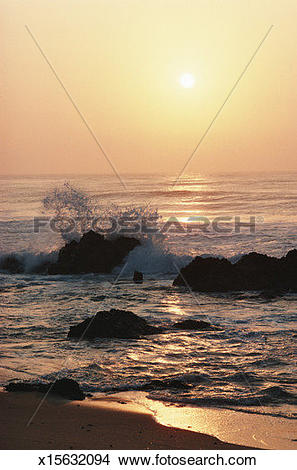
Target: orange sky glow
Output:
{"points": [[122, 63]]}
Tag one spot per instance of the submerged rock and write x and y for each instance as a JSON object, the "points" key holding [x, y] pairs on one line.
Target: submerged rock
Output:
{"points": [[138, 277], [66, 388], [113, 324], [159, 384], [123, 324], [252, 272], [92, 254], [196, 325]]}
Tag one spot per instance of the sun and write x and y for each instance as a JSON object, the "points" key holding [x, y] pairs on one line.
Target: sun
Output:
{"points": [[187, 80]]}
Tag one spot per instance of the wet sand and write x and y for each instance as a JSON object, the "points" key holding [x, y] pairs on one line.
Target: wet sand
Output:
{"points": [[102, 423]]}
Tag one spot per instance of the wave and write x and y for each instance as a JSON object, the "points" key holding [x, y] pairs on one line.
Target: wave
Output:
{"points": [[153, 257], [268, 362], [273, 396], [196, 381], [188, 389], [150, 258], [243, 378], [26, 262]]}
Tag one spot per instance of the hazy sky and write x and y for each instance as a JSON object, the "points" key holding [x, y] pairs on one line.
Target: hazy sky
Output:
{"points": [[121, 61]]}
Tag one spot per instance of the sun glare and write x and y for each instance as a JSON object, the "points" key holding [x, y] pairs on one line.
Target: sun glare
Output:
{"points": [[187, 80]]}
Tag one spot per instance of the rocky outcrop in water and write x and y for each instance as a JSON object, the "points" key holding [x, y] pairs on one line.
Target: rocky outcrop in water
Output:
{"points": [[66, 388], [138, 277], [92, 254], [113, 324], [252, 272], [125, 325]]}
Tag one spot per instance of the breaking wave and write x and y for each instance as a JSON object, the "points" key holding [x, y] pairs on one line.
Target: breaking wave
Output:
{"points": [[26, 262]]}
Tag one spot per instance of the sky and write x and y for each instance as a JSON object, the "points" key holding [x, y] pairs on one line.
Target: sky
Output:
{"points": [[121, 63]]}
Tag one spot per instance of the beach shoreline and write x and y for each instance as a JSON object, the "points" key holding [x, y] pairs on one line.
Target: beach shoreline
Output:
{"points": [[98, 423]]}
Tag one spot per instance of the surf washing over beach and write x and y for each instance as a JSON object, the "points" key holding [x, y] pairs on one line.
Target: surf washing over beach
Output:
{"points": [[249, 364]]}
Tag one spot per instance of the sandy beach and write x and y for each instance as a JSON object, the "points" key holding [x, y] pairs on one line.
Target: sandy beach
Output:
{"points": [[91, 424]]}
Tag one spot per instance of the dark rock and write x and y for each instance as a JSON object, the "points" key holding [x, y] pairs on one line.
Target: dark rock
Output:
{"points": [[66, 388], [207, 275], [92, 254], [26, 387], [198, 325], [138, 277], [113, 324], [11, 264], [271, 294], [256, 271], [252, 272]]}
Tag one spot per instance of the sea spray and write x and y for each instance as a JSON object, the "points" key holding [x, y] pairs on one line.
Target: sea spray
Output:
{"points": [[69, 202], [154, 257], [74, 212]]}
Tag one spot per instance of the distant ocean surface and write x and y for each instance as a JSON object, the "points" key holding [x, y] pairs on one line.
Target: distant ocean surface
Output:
{"points": [[250, 365]]}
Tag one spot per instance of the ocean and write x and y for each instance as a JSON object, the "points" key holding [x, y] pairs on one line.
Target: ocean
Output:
{"points": [[249, 365]]}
